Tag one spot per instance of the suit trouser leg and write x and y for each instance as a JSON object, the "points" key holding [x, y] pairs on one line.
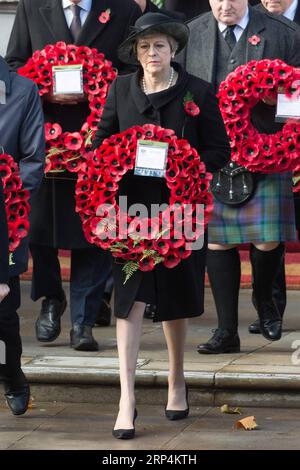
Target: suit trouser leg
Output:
{"points": [[46, 276], [90, 269], [10, 331]]}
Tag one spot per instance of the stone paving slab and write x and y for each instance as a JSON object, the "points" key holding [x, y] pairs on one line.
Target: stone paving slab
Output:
{"points": [[86, 426], [259, 365]]}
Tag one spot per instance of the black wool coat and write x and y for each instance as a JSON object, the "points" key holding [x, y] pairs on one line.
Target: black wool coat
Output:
{"points": [[3, 240], [177, 292], [22, 137], [38, 23]]}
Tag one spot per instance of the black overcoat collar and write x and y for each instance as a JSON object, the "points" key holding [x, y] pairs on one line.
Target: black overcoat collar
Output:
{"points": [[158, 100]]}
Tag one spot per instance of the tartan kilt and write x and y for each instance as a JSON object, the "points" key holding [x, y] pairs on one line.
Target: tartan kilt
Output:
{"points": [[268, 216]]}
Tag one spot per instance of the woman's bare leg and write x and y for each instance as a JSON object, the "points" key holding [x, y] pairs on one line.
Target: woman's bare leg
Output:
{"points": [[129, 332]]}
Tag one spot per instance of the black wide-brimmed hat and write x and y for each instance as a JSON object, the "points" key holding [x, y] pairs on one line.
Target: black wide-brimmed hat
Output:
{"points": [[153, 23]]}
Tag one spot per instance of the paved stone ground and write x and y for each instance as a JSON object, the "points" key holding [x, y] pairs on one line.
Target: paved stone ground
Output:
{"points": [[58, 426], [87, 424]]}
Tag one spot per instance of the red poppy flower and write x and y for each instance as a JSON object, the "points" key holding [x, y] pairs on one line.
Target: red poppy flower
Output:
{"points": [[52, 131], [73, 140], [192, 109], [254, 40], [104, 16]]}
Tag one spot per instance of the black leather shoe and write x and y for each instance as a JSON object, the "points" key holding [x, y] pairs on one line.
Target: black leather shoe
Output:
{"points": [[17, 398], [82, 338], [126, 433], [270, 320], [150, 311], [254, 328], [104, 314], [174, 415], [222, 341], [47, 326]]}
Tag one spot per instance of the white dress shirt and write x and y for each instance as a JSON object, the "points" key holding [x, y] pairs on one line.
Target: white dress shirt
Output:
{"points": [[240, 27], [85, 6], [291, 11]]}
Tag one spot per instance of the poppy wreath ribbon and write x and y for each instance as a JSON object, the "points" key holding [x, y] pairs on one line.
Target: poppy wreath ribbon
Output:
{"points": [[238, 94], [16, 201], [65, 150], [111, 229]]}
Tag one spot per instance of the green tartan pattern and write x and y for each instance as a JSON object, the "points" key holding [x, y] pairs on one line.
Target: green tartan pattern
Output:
{"points": [[268, 216], [159, 3]]}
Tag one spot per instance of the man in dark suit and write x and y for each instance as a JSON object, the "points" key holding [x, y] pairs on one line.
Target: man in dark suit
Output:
{"points": [[54, 221], [22, 136], [237, 21]]}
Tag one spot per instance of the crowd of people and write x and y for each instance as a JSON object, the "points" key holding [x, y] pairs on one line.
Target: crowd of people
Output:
{"points": [[161, 54]]}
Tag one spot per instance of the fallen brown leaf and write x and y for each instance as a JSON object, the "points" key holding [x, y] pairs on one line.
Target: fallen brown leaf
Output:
{"points": [[232, 411], [247, 423]]}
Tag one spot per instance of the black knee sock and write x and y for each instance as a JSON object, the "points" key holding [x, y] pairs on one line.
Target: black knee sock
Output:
{"points": [[265, 268], [224, 271]]}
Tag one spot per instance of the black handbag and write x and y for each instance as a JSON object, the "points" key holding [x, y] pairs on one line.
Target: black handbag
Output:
{"points": [[233, 185]]}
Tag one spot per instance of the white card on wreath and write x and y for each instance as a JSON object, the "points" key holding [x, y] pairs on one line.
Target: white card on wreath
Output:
{"points": [[151, 158], [287, 108], [67, 79]]}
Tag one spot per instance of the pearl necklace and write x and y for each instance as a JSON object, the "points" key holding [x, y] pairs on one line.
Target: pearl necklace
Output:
{"points": [[168, 86]]}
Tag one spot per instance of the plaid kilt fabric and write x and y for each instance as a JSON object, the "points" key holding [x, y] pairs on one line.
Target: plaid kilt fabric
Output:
{"points": [[268, 216]]}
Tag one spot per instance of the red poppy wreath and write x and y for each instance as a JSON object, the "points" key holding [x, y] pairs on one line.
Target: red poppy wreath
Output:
{"points": [[143, 242], [65, 149], [238, 94], [16, 201]]}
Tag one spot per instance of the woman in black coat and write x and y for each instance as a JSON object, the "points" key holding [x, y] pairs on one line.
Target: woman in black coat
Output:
{"points": [[4, 289], [155, 94]]}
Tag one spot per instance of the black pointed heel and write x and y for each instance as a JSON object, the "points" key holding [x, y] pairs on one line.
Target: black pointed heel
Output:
{"points": [[126, 433], [174, 415]]}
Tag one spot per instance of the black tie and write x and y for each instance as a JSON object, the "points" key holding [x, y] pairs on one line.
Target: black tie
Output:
{"points": [[230, 36], [75, 26]]}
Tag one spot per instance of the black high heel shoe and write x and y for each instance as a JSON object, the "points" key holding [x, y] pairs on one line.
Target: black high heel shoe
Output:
{"points": [[174, 415], [126, 433]]}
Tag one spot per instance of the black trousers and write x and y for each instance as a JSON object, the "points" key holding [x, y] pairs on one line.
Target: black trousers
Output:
{"points": [[90, 269], [10, 331]]}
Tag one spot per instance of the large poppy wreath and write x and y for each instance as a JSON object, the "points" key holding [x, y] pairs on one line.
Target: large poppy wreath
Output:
{"points": [[238, 94], [98, 184], [65, 149], [16, 201]]}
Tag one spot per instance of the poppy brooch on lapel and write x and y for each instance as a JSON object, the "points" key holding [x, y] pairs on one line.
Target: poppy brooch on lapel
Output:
{"points": [[190, 106], [254, 40], [104, 16]]}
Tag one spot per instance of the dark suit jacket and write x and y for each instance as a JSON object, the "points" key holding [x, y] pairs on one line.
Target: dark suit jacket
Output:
{"points": [[190, 8], [42, 22], [22, 136], [3, 240]]}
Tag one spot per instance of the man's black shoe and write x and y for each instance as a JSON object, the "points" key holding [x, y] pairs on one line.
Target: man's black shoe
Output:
{"points": [[222, 341], [47, 326], [270, 320], [17, 398], [104, 314], [82, 338], [150, 311], [254, 328]]}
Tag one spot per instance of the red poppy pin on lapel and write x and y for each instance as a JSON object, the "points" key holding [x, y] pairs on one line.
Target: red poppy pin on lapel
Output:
{"points": [[104, 16], [254, 40]]}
